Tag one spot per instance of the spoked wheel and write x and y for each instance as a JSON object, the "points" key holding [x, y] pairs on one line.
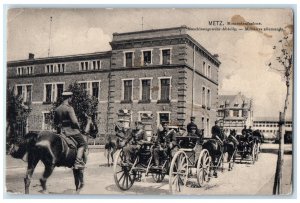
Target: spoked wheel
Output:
{"points": [[203, 167], [124, 178], [158, 177], [178, 174]]}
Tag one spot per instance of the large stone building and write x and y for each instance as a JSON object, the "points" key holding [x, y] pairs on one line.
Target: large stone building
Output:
{"points": [[164, 72], [235, 111]]}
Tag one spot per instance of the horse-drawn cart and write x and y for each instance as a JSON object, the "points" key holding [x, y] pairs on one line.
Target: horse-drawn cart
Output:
{"points": [[247, 150], [190, 161], [125, 174]]}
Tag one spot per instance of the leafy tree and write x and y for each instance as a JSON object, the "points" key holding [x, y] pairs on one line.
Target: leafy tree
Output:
{"points": [[16, 116], [283, 64], [82, 103]]}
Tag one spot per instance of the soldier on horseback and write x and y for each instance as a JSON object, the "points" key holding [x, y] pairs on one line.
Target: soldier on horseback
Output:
{"points": [[217, 134], [67, 123], [165, 142]]}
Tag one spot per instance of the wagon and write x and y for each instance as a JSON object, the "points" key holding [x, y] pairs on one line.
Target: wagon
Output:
{"points": [[247, 150], [189, 161], [126, 174]]}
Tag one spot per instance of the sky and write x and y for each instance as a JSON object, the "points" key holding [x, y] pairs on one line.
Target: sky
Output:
{"points": [[244, 55]]}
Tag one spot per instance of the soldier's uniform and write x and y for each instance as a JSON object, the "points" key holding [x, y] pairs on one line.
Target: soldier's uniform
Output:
{"points": [[67, 123], [166, 140], [136, 139]]}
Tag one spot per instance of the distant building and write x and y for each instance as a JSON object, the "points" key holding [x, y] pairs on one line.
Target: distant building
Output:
{"points": [[269, 125], [164, 72], [235, 111]]}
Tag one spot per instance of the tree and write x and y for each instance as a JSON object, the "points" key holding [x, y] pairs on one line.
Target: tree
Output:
{"points": [[283, 64], [16, 116], [82, 103]]}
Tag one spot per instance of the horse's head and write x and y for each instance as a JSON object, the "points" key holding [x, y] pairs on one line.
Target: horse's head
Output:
{"points": [[18, 150]]}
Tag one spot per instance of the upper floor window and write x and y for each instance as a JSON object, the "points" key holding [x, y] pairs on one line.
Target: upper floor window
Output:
{"points": [[128, 59], [165, 89], [127, 90], [26, 70], [147, 58], [96, 65], [146, 89], [53, 91], [208, 71], [203, 97], [204, 67], [92, 87], [84, 65], [25, 91], [166, 56], [236, 113], [55, 68], [208, 98]]}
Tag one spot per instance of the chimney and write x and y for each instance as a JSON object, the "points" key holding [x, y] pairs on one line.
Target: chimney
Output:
{"points": [[30, 56]]}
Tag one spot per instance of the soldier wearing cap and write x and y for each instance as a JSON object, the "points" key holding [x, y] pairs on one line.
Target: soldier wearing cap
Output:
{"points": [[165, 142], [192, 127], [217, 133], [135, 140], [67, 123]]}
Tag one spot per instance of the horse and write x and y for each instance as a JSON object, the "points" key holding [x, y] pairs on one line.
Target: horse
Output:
{"points": [[53, 151], [230, 147], [216, 150], [115, 142], [257, 136]]}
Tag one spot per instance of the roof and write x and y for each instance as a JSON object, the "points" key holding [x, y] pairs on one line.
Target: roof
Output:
{"points": [[235, 101]]}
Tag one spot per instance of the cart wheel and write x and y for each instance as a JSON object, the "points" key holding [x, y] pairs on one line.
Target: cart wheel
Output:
{"points": [[178, 172], [124, 179], [158, 177], [253, 153], [203, 167]]}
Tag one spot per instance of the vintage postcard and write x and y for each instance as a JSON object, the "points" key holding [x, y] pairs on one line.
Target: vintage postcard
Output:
{"points": [[164, 101]]}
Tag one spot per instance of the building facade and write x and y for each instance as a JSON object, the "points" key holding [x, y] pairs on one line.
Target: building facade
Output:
{"points": [[163, 72], [235, 111], [269, 126]]}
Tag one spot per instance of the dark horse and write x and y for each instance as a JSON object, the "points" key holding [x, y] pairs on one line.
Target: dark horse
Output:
{"points": [[230, 146], [52, 150]]}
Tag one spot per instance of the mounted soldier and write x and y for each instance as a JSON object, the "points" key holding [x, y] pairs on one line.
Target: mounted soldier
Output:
{"points": [[165, 142], [217, 133], [67, 122]]}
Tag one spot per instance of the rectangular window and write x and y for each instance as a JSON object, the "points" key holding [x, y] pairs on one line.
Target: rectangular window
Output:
{"points": [[61, 67], [208, 71], [96, 65], [163, 117], [84, 65], [207, 125], [202, 123], [146, 90], [25, 91], [95, 89], [52, 91], [166, 56], [127, 90], [165, 89], [92, 87], [147, 57], [203, 97], [129, 59], [27, 70], [204, 68], [208, 98]]}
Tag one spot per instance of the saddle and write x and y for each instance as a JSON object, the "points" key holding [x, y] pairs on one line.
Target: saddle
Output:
{"points": [[71, 142]]}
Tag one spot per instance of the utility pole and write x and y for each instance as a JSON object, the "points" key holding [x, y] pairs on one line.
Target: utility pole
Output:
{"points": [[50, 36]]}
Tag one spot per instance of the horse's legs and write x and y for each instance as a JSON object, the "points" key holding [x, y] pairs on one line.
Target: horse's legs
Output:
{"points": [[32, 162], [76, 178], [81, 179], [47, 172]]}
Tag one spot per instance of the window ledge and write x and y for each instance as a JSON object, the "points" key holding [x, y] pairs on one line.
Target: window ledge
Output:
{"points": [[144, 101], [163, 101], [47, 102], [126, 102]]}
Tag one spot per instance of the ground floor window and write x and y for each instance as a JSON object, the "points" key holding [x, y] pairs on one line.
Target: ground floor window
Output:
{"points": [[163, 117]]}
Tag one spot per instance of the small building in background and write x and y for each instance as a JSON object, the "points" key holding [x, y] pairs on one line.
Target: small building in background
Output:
{"points": [[235, 111]]}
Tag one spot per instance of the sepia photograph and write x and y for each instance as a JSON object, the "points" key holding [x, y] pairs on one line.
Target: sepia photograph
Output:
{"points": [[149, 101]]}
